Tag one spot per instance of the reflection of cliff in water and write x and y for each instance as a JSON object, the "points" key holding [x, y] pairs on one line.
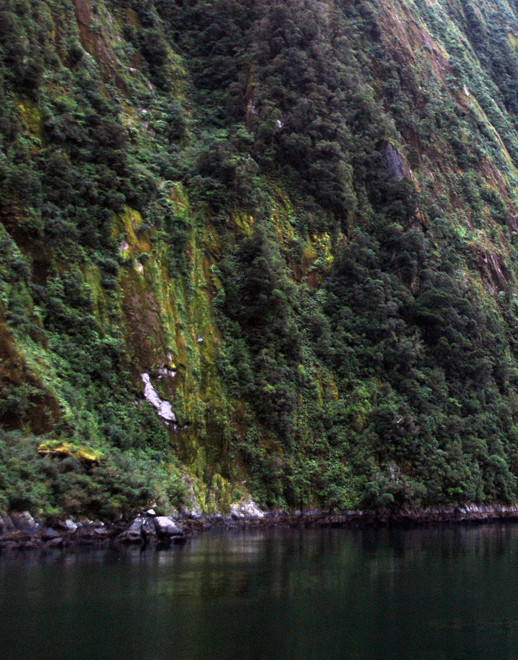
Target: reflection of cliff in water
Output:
{"points": [[272, 594]]}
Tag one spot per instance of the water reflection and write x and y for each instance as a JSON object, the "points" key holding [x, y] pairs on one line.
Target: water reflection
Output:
{"points": [[447, 592]]}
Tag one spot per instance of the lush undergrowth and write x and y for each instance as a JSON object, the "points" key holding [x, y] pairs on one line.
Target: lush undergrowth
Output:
{"points": [[297, 218]]}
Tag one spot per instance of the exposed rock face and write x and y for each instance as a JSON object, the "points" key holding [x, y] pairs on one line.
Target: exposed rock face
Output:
{"points": [[247, 510], [140, 530], [150, 527], [83, 12], [397, 166], [163, 408], [194, 513], [49, 533], [24, 522], [165, 372], [165, 527]]}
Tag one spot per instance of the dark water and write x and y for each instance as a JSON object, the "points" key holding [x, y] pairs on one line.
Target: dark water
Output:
{"points": [[391, 594]]}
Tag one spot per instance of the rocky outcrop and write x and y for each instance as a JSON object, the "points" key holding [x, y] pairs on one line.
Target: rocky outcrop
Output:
{"points": [[396, 165], [137, 532], [20, 532], [150, 528], [163, 408], [166, 529], [247, 510], [468, 513], [24, 522], [70, 526]]}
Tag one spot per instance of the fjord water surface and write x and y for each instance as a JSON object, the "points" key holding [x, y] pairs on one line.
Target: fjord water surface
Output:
{"points": [[447, 592]]}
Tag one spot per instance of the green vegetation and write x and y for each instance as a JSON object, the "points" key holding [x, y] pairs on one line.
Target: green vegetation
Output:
{"points": [[298, 218]]}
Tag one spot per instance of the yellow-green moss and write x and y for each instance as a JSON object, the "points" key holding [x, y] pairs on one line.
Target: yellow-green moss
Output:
{"points": [[30, 115], [127, 227], [81, 452], [282, 216], [244, 222]]}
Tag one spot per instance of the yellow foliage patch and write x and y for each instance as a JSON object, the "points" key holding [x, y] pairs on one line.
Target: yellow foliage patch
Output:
{"points": [[58, 448], [30, 115], [127, 226]]}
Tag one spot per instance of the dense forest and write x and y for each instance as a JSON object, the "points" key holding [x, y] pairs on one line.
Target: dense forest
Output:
{"points": [[258, 249]]}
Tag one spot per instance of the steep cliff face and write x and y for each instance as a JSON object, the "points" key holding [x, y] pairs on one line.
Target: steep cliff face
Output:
{"points": [[263, 248]]}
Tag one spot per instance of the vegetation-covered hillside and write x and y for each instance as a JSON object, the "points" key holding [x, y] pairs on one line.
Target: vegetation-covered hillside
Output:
{"points": [[261, 248]]}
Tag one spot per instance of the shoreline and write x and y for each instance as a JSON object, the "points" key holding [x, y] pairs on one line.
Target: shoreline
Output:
{"points": [[20, 532]]}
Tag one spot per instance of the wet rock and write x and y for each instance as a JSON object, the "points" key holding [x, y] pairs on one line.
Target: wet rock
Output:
{"points": [[166, 528], [143, 524], [101, 532], [136, 525], [24, 522], [70, 526], [189, 514], [141, 530], [49, 533], [57, 542], [134, 534], [150, 512], [247, 510], [129, 537], [312, 512]]}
